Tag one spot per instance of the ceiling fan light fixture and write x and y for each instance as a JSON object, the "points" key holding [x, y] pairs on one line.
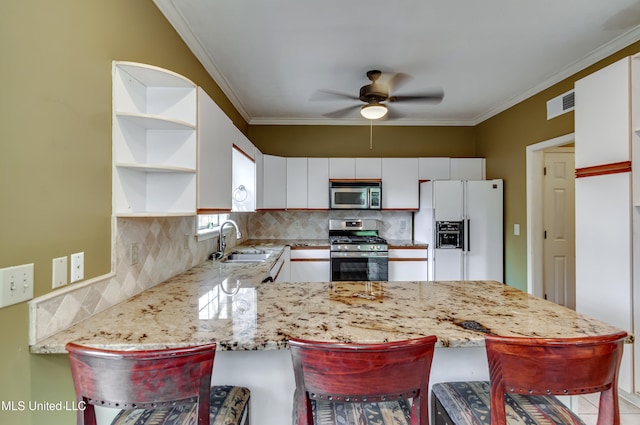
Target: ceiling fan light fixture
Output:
{"points": [[373, 111]]}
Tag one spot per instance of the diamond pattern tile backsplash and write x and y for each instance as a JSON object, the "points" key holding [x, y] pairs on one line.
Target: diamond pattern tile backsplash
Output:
{"points": [[166, 247], [315, 224]]}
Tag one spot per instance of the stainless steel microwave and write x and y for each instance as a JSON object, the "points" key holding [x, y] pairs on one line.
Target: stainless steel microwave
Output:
{"points": [[355, 195]]}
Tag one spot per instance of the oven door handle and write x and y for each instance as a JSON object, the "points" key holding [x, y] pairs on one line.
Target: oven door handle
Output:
{"points": [[352, 254]]}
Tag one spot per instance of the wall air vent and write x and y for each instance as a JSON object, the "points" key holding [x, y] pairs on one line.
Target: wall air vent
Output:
{"points": [[561, 104]]}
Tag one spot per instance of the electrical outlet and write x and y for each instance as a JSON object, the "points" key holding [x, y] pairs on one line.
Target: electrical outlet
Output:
{"points": [[16, 284], [77, 266], [59, 273], [133, 253]]}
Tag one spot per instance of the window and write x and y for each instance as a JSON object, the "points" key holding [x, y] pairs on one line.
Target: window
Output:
{"points": [[208, 225]]}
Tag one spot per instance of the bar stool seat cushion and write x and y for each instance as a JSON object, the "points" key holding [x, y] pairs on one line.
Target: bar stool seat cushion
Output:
{"points": [[469, 403], [362, 413], [227, 406]]}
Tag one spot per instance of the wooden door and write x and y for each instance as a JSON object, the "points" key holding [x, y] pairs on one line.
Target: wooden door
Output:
{"points": [[559, 227]]}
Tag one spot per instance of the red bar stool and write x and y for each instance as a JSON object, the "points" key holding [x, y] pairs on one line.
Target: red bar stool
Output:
{"points": [[361, 384], [160, 387], [526, 375]]}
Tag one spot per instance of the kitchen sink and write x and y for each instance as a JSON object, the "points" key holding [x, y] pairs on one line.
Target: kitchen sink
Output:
{"points": [[247, 257]]}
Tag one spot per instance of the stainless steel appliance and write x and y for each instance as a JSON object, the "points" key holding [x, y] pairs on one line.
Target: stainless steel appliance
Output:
{"points": [[360, 195], [357, 251]]}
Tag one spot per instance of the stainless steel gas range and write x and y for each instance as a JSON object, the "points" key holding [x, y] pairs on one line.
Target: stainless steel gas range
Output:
{"points": [[357, 251]]}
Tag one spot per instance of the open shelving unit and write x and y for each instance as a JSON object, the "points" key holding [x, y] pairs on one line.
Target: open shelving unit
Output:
{"points": [[154, 142]]}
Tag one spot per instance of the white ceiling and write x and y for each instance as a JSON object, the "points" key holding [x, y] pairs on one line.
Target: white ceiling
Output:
{"points": [[271, 56]]}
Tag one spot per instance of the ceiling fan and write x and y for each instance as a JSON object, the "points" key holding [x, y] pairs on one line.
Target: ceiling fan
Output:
{"points": [[376, 96]]}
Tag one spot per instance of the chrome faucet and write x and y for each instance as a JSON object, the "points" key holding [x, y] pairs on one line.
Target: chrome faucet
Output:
{"points": [[223, 238]]}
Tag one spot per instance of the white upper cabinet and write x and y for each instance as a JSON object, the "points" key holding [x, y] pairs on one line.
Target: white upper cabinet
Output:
{"points": [[342, 168], [243, 144], [318, 183], [243, 182], [400, 186], [303, 183], [467, 169], [274, 182], [215, 136], [368, 168], [355, 168], [259, 179], [433, 168], [243, 185], [296, 183], [602, 116], [154, 141]]}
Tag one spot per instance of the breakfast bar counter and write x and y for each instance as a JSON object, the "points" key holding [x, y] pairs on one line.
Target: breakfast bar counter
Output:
{"points": [[226, 303], [251, 322]]}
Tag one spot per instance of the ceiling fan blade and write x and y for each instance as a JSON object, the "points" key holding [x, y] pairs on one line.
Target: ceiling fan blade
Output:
{"points": [[399, 79], [392, 114], [331, 95], [433, 97], [341, 112]]}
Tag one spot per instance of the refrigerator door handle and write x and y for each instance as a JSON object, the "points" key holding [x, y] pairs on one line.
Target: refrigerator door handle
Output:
{"points": [[468, 234]]}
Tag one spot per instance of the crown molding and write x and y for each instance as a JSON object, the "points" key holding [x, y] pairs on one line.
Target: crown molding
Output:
{"points": [[179, 23], [595, 56], [359, 122]]}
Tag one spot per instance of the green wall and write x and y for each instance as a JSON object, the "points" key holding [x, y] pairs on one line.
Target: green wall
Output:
{"points": [[55, 156], [354, 141], [503, 140]]}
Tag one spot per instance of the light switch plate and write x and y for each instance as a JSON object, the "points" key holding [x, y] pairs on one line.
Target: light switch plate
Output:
{"points": [[77, 266], [16, 284], [59, 272]]}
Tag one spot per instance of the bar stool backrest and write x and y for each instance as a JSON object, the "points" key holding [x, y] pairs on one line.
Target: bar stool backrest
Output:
{"points": [[345, 372], [560, 366], [141, 379]]}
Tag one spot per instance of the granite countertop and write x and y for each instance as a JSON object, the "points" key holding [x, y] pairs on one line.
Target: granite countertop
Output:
{"points": [[406, 243], [228, 304]]}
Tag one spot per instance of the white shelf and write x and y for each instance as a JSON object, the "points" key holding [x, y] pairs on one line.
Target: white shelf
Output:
{"points": [[154, 142], [155, 214], [155, 168], [157, 122]]}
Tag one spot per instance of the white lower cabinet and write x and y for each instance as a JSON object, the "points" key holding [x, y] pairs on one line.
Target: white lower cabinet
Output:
{"points": [[310, 265], [408, 264], [281, 270]]}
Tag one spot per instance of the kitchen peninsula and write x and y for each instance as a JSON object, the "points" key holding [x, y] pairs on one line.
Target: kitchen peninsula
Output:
{"points": [[252, 321]]}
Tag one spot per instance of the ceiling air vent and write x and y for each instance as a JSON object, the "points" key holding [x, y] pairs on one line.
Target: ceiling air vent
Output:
{"points": [[561, 104]]}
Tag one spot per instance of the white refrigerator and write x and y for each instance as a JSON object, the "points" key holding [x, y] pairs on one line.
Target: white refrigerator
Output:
{"points": [[476, 208]]}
